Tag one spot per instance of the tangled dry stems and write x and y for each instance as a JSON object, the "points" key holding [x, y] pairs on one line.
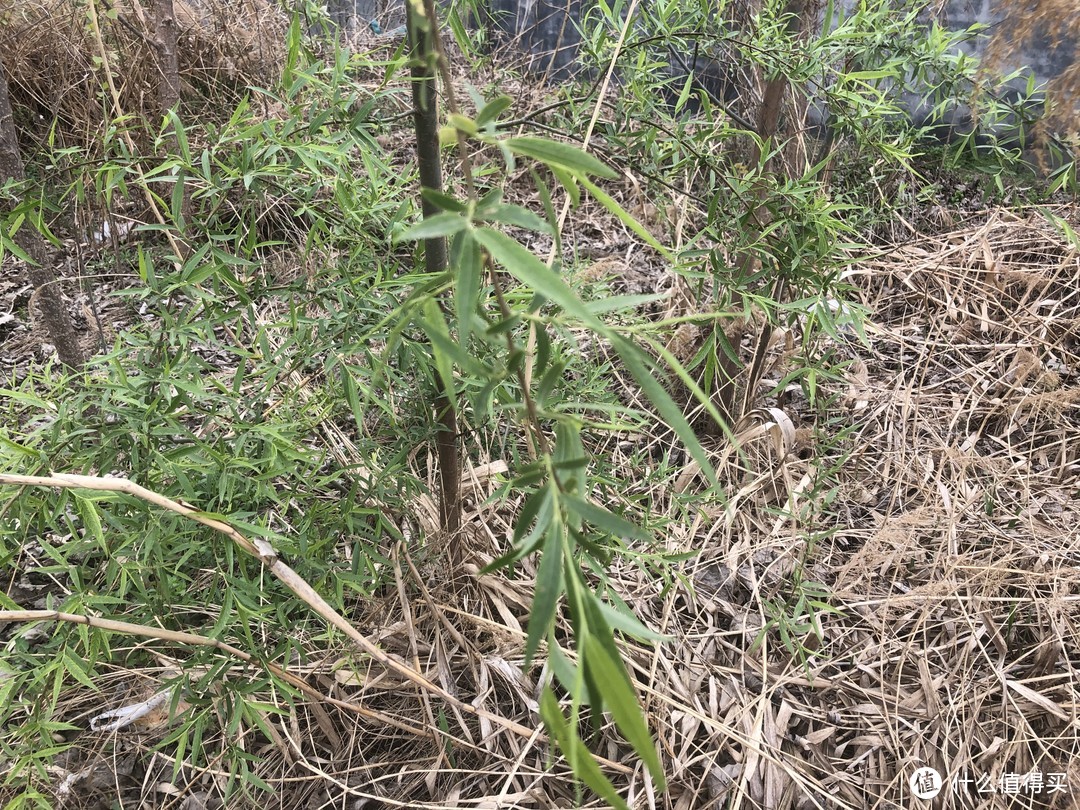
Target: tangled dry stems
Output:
{"points": [[950, 547], [57, 69]]}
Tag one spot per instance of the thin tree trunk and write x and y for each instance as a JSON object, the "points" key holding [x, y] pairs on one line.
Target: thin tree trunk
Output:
{"points": [[168, 60], [46, 289], [426, 123], [768, 124]]}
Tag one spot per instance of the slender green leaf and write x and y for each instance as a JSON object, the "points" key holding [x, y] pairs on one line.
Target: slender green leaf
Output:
{"points": [[568, 182], [624, 216], [528, 269], [27, 398], [549, 588], [446, 224], [443, 200], [621, 619], [439, 335], [76, 668], [489, 201], [532, 510], [493, 109], [566, 672], [20, 254], [661, 399], [568, 444], [688, 379], [467, 265], [352, 398], [604, 519], [868, 75], [463, 124], [447, 350], [554, 153], [516, 215], [552, 377], [543, 349], [501, 327], [622, 702], [525, 544], [91, 520], [577, 755]]}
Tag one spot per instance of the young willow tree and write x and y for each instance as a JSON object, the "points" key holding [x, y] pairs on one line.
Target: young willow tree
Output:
{"points": [[558, 519]]}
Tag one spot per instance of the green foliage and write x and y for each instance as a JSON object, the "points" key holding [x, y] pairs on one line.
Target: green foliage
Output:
{"points": [[795, 616], [558, 520], [283, 376], [228, 399]]}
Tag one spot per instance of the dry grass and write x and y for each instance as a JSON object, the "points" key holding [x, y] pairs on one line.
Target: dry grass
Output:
{"points": [[951, 548], [57, 64], [949, 543], [1051, 25]]}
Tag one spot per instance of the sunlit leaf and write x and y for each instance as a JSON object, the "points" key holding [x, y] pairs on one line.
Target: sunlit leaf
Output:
{"points": [[554, 153]]}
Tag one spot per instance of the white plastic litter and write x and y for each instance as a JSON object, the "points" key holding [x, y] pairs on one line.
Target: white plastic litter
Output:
{"points": [[126, 715]]}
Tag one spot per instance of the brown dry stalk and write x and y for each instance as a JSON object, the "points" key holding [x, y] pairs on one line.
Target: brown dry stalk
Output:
{"points": [[38, 269]]}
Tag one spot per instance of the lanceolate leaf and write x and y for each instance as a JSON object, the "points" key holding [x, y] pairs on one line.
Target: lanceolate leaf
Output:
{"points": [[658, 395], [445, 201], [446, 224], [623, 620], [605, 520], [532, 510], [569, 182], [579, 757], [435, 325], [609, 203], [493, 109], [466, 264], [549, 588], [566, 672], [90, 519], [687, 379], [448, 351], [528, 269], [516, 215], [558, 154], [621, 701]]}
